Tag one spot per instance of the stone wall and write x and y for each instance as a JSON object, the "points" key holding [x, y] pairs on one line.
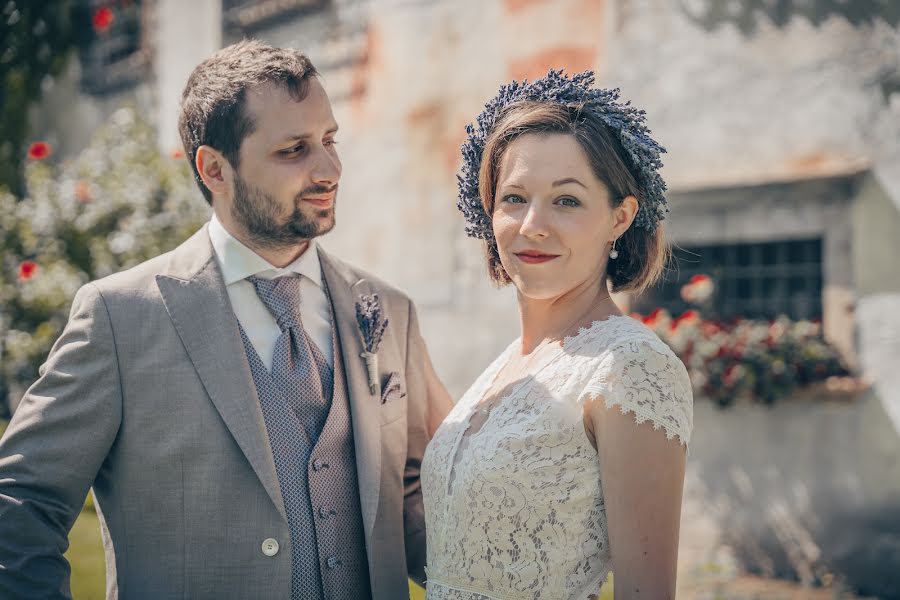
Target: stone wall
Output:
{"points": [[808, 490]]}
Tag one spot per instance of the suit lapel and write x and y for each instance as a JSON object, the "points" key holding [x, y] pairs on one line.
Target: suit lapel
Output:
{"points": [[197, 301], [344, 288]]}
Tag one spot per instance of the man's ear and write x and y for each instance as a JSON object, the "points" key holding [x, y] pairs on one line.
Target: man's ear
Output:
{"points": [[214, 169]]}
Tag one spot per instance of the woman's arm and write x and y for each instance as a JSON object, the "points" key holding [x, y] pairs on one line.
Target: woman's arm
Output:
{"points": [[642, 474]]}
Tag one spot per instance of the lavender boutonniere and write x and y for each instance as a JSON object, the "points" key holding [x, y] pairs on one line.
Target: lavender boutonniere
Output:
{"points": [[372, 324]]}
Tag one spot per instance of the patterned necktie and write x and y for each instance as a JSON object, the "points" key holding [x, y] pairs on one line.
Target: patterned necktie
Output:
{"points": [[298, 366]]}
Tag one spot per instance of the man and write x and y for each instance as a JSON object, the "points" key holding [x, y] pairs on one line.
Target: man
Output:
{"points": [[243, 437]]}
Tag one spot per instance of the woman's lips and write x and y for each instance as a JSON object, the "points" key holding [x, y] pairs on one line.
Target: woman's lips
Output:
{"points": [[533, 259]]}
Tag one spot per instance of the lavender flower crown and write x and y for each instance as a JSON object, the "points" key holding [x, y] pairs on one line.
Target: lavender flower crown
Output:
{"points": [[623, 120]]}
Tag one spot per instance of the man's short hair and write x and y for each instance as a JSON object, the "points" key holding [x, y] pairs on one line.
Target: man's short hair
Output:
{"points": [[213, 105]]}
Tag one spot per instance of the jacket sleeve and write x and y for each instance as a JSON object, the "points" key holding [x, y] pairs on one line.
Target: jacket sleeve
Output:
{"points": [[55, 444], [427, 400]]}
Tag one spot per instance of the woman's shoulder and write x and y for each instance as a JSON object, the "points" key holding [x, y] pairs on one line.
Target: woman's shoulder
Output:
{"points": [[631, 367], [617, 335]]}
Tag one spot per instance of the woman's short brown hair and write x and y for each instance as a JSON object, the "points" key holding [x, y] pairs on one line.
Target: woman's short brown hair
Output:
{"points": [[643, 254]]}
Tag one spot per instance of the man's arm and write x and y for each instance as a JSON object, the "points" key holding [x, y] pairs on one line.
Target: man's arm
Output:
{"points": [[427, 404], [53, 448]]}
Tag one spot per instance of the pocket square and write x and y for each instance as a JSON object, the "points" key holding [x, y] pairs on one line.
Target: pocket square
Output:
{"points": [[391, 388]]}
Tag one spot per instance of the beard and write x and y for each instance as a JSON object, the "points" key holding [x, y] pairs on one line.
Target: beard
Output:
{"points": [[259, 214]]}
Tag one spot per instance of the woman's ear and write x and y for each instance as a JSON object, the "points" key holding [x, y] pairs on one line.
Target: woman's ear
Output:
{"points": [[624, 214]]}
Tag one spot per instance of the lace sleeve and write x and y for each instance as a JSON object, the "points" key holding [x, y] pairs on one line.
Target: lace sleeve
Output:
{"points": [[646, 378]]}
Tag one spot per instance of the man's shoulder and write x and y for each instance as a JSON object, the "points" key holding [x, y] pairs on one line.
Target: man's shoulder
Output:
{"points": [[183, 262]]}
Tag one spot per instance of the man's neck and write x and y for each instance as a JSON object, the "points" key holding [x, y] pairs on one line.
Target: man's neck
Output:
{"points": [[280, 256]]}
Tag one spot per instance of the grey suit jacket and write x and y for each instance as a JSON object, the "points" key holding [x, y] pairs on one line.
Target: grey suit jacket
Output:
{"points": [[147, 397]]}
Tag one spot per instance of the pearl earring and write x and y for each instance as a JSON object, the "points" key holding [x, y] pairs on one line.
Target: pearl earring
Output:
{"points": [[614, 254]]}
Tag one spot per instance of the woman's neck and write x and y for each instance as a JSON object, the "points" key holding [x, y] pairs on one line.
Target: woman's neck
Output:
{"points": [[554, 318]]}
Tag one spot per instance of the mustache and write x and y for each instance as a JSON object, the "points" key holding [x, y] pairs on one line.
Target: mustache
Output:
{"points": [[316, 189]]}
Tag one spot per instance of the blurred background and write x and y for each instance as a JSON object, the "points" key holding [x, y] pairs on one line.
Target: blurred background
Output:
{"points": [[782, 124]]}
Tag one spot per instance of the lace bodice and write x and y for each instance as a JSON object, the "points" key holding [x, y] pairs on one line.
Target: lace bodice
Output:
{"points": [[519, 512]]}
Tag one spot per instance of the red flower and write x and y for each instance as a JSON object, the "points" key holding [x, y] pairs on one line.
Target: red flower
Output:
{"points": [[699, 279], [39, 151], [690, 316], [102, 19], [177, 154], [27, 270], [83, 191]]}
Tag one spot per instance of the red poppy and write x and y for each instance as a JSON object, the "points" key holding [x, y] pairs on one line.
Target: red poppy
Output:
{"points": [[27, 270], [39, 151], [102, 19]]}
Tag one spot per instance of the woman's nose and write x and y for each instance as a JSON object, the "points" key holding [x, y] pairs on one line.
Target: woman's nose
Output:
{"points": [[535, 222]]}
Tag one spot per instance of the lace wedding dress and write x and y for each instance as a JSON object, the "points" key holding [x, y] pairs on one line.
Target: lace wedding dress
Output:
{"points": [[515, 508]]}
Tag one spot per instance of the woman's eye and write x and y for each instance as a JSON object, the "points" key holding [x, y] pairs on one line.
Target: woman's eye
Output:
{"points": [[514, 199], [569, 201]]}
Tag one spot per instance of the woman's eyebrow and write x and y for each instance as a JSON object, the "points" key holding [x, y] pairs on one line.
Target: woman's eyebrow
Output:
{"points": [[568, 180]]}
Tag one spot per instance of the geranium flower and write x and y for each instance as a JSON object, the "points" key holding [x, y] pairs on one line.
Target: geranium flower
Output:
{"points": [[102, 20], [698, 289], [39, 151], [27, 270]]}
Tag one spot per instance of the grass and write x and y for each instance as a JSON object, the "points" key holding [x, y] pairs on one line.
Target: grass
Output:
{"points": [[86, 557]]}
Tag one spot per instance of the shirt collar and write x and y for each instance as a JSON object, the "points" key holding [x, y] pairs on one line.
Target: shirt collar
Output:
{"points": [[238, 262]]}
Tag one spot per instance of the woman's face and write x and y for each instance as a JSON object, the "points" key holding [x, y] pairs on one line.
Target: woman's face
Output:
{"points": [[552, 217]]}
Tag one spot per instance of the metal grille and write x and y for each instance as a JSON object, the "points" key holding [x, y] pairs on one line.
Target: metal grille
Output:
{"points": [[752, 280], [247, 15], [118, 56]]}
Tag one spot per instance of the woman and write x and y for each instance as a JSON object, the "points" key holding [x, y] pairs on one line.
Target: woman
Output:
{"points": [[565, 459]]}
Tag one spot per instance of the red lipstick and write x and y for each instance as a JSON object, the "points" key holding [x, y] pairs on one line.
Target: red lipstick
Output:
{"points": [[533, 257]]}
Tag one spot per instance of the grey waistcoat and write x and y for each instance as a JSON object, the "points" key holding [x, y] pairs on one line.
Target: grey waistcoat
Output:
{"points": [[333, 561]]}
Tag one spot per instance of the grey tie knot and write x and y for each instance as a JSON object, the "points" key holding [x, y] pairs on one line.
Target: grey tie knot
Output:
{"points": [[282, 297]]}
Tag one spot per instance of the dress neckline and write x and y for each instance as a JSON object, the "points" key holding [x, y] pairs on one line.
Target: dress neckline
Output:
{"points": [[496, 368]]}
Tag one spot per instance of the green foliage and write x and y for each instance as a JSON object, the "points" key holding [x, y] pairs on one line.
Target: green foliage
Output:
{"points": [[36, 39], [117, 204]]}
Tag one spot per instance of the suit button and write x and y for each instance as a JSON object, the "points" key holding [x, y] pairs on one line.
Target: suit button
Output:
{"points": [[325, 513], [270, 547], [318, 465], [333, 562]]}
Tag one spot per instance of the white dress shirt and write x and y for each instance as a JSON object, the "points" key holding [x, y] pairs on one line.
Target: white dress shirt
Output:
{"points": [[238, 262]]}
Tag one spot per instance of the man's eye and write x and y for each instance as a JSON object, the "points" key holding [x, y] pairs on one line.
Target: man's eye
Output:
{"points": [[295, 150], [330, 142]]}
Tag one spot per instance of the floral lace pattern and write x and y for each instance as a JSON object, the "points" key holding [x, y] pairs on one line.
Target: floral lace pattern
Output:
{"points": [[523, 515]]}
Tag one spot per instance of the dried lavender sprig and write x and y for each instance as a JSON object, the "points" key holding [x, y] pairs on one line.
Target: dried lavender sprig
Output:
{"points": [[370, 321]]}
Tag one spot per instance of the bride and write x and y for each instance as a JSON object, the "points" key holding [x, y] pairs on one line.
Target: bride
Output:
{"points": [[565, 460]]}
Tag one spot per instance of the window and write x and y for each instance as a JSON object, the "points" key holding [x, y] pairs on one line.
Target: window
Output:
{"points": [[112, 44], [752, 280], [243, 16]]}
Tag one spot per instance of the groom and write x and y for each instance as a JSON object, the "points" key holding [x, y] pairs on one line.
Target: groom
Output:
{"points": [[218, 398]]}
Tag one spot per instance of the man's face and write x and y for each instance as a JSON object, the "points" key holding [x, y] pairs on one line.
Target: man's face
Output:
{"points": [[286, 186]]}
